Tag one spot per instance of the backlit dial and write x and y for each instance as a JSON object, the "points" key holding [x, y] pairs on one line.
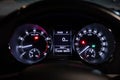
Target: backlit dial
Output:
{"points": [[30, 43], [94, 43]]}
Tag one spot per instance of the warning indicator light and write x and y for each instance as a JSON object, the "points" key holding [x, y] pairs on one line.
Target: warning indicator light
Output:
{"points": [[36, 38], [83, 42]]}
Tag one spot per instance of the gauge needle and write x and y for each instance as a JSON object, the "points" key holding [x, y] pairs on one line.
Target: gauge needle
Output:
{"points": [[22, 54], [26, 46], [84, 49]]}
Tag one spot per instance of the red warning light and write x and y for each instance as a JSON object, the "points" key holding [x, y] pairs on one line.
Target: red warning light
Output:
{"points": [[83, 42], [36, 37]]}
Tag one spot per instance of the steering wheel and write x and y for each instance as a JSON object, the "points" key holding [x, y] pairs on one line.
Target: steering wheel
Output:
{"points": [[61, 71]]}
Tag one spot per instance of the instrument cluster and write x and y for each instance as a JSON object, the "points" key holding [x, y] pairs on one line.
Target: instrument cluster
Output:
{"points": [[32, 43]]}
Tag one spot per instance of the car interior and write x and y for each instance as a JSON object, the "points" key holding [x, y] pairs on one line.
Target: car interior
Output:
{"points": [[60, 40]]}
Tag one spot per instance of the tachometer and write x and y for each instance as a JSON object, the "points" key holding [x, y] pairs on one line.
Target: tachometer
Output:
{"points": [[30, 43], [94, 43]]}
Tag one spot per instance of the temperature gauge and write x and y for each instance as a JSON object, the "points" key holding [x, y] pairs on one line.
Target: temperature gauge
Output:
{"points": [[34, 53]]}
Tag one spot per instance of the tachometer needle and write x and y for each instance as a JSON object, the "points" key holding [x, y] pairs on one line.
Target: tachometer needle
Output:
{"points": [[26, 46], [22, 54], [84, 49]]}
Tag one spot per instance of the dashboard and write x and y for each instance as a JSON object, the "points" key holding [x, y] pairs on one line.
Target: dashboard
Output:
{"points": [[60, 32], [31, 43]]}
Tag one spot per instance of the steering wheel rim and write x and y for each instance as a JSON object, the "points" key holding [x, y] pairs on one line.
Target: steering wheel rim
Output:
{"points": [[60, 71]]}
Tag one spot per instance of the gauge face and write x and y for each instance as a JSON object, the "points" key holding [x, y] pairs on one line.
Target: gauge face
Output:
{"points": [[94, 43], [30, 43]]}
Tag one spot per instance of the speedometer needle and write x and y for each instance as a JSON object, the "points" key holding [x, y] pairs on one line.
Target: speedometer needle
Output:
{"points": [[26, 46], [84, 49]]}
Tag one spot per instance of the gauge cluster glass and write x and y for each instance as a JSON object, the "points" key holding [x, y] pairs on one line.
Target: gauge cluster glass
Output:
{"points": [[31, 43]]}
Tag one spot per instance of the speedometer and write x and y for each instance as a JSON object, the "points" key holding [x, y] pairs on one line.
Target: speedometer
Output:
{"points": [[30, 43], [94, 43]]}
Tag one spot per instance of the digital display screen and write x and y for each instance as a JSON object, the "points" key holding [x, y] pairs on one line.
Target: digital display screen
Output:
{"points": [[62, 42]]}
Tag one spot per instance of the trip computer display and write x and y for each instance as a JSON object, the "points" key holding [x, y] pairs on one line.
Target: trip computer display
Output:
{"points": [[62, 42]]}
